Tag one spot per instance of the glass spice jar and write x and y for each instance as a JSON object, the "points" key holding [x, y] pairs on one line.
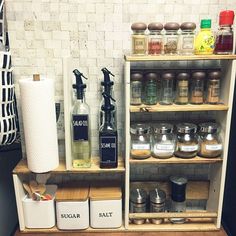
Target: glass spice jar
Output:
{"points": [[138, 203], [197, 87], [150, 89], [213, 87], [187, 140], [136, 88], [210, 141], [171, 38], [187, 38], [155, 38], [182, 83], [167, 88], [139, 39], [157, 203], [163, 141], [140, 141]]}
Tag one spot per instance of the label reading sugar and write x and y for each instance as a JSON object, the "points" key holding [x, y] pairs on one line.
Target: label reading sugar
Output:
{"points": [[145, 146], [190, 148], [164, 148], [80, 127], [214, 147]]}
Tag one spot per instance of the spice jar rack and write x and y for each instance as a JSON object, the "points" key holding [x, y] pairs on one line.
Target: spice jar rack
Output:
{"points": [[211, 187]]}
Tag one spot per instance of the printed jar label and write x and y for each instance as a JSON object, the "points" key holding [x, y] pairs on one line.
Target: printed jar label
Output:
{"points": [[139, 45], [214, 147], [108, 150], [188, 42], [164, 148], [141, 146], [190, 148], [215, 91], [80, 127], [136, 89]]}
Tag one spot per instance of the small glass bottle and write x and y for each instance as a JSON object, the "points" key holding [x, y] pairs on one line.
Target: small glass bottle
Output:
{"points": [[136, 88], [155, 39], [139, 39], [167, 85], [225, 35], [140, 141], [182, 83], [171, 38], [197, 87], [213, 87], [138, 203], [157, 204], [187, 38], [187, 140], [163, 141], [178, 197], [150, 90], [210, 141]]}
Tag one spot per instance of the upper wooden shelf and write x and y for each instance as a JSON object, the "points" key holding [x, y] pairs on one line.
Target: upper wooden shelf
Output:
{"points": [[133, 58], [22, 168], [174, 107]]}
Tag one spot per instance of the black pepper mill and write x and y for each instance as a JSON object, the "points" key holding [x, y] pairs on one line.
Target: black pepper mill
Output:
{"points": [[108, 136]]}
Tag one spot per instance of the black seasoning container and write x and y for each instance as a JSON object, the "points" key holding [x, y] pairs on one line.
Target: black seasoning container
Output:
{"points": [[178, 196], [182, 84], [136, 88], [138, 203], [157, 203], [213, 87], [167, 88]]}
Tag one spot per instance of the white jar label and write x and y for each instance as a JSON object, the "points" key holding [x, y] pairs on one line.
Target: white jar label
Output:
{"points": [[137, 146], [190, 148], [214, 147], [164, 148]]}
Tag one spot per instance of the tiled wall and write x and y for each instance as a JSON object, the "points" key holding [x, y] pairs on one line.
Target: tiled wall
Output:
{"points": [[97, 32]]}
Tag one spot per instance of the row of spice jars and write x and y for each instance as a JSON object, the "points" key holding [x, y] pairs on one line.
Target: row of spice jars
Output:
{"points": [[181, 88], [187, 141], [157, 42]]}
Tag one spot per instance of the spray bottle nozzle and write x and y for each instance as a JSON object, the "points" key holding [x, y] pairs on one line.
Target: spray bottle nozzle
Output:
{"points": [[79, 74], [106, 71], [79, 85]]}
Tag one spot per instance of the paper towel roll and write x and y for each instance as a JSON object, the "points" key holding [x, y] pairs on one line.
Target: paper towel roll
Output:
{"points": [[39, 122]]}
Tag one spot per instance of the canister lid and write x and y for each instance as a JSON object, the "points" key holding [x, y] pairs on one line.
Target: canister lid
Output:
{"points": [[157, 196], [140, 129], [214, 75], [178, 188], [198, 75], [72, 192], [209, 127], [226, 17], [138, 195], [186, 128], [139, 26], [205, 24], [151, 76], [171, 26], [188, 26], [167, 75], [183, 75], [155, 26], [136, 76], [163, 128]]}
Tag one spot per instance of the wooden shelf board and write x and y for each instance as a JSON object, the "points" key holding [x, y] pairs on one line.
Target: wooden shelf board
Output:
{"points": [[133, 58], [176, 160], [175, 108], [22, 168]]}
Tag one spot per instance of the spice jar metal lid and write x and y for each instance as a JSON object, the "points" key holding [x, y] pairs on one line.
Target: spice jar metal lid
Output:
{"points": [[186, 128], [209, 127], [163, 128], [171, 26], [155, 26], [188, 26], [168, 75], [138, 195], [136, 76], [183, 75], [140, 129], [214, 75], [151, 76], [157, 196], [198, 75], [139, 26]]}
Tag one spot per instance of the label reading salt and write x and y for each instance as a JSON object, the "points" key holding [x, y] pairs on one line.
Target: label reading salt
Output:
{"points": [[214, 147], [145, 146], [190, 148]]}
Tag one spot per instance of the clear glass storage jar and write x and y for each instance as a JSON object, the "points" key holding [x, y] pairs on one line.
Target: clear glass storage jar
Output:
{"points": [[139, 38], [187, 140], [210, 141], [171, 38], [213, 87], [182, 84], [140, 141], [136, 80], [163, 141], [155, 38], [167, 88]]}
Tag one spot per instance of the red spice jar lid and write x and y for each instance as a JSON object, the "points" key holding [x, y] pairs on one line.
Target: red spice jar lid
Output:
{"points": [[226, 17]]}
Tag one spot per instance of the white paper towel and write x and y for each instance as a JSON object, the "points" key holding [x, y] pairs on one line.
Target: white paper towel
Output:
{"points": [[39, 122]]}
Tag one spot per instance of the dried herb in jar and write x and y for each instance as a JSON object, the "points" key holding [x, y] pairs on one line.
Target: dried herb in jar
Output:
{"points": [[213, 87]]}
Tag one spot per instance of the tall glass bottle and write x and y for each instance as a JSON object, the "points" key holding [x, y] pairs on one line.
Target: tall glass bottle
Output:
{"points": [[81, 149], [108, 138]]}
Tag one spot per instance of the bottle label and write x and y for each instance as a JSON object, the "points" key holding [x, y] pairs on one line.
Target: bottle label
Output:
{"points": [[80, 127], [139, 44], [145, 146], [214, 147], [183, 88], [188, 42], [136, 89], [215, 90], [108, 149], [164, 148], [151, 90], [190, 148]]}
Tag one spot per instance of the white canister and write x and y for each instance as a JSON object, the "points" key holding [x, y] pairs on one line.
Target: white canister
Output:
{"points": [[105, 207], [72, 207]]}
